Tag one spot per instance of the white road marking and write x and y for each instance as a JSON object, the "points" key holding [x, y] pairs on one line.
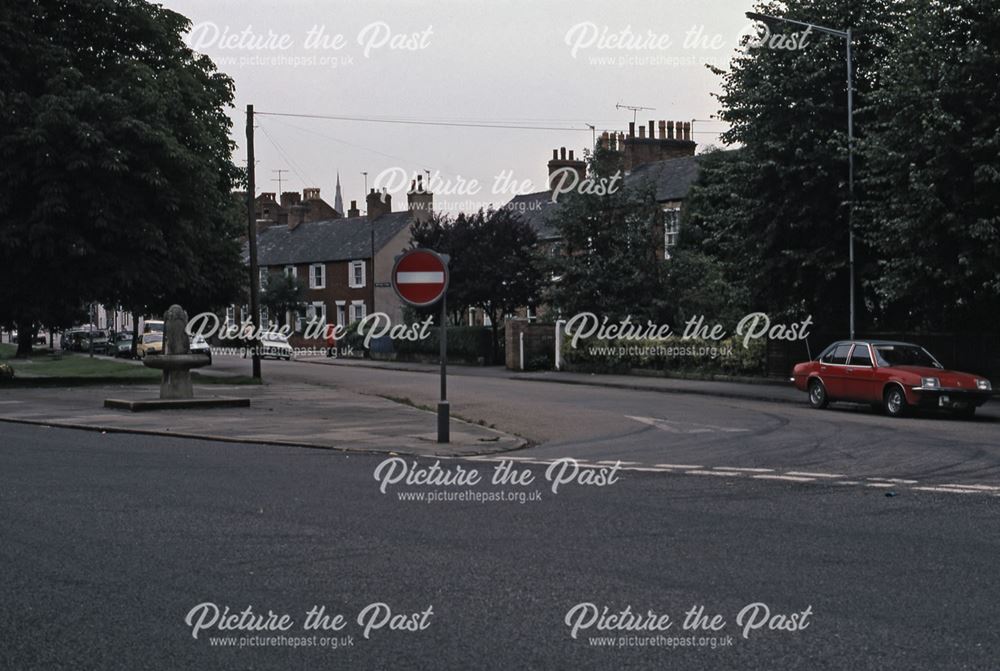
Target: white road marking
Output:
{"points": [[950, 490], [985, 488], [790, 478], [730, 474], [809, 474], [755, 473], [666, 425], [742, 470], [680, 466]]}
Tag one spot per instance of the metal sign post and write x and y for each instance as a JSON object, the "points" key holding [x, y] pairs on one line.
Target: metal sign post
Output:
{"points": [[420, 278]]}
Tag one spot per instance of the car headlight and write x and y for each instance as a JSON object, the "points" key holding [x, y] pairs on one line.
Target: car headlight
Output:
{"points": [[930, 383], [984, 385]]}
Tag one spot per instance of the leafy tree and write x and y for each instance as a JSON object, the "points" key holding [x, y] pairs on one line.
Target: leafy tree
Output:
{"points": [[932, 214], [609, 263], [283, 294], [775, 212], [493, 266], [115, 162]]}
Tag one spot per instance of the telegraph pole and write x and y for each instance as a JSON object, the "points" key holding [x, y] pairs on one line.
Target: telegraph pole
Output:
{"points": [[252, 243]]}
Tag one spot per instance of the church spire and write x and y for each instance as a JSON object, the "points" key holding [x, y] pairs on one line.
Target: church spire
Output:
{"points": [[338, 200]]}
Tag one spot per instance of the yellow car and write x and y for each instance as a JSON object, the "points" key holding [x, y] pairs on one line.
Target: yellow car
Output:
{"points": [[149, 343]]}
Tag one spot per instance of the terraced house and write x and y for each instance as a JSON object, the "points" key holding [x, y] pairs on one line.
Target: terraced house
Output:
{"points": [[345, 263]]}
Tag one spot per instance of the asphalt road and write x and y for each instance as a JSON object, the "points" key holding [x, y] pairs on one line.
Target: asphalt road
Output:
{"points": [[109, 541], [649, 428]]}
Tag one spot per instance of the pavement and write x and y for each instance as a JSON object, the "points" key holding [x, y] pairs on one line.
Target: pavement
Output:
{"points": [[765, 389], [110, 542], [309, 415]]}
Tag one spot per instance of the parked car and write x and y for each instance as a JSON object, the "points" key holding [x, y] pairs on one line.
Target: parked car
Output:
{"points": [[198, 345], [149, 343], [893, 376], [276, 346], [122, 345], [95, 340]]}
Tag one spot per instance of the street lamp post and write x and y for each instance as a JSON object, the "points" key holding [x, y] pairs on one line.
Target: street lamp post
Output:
{"points": [[845, 35]]}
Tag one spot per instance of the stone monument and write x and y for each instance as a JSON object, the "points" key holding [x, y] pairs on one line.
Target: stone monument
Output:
{"points": [[176, 363]]}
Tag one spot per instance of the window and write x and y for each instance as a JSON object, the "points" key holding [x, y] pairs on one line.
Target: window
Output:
{"points": [[264, 274], [341, 314], [319, 311], [231, 314], [356, 276], [671, 230], [861, 357], [530, 314], [357, 310], [264, 320], [838, 355], [300, 322], [317, 276], [291, 271]]}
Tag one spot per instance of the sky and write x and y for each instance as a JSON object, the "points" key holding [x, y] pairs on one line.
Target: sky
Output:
{"points": [[549, 68]]}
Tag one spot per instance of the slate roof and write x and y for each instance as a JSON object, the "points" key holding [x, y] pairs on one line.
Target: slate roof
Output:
{"points": [[327, 240], [672, 178]]}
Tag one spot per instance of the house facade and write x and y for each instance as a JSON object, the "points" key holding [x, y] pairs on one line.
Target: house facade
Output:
{"points": [[344, 263]]}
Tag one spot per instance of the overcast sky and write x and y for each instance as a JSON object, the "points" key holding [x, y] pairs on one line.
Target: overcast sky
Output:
{"points": [[545, 63]]}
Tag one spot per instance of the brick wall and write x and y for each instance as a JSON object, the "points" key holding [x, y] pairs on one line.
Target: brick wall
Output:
{"points": [[539, 341]]}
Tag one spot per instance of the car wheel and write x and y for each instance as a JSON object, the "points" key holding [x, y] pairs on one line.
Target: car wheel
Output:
{"points": [[817, 395], [894, 401]]}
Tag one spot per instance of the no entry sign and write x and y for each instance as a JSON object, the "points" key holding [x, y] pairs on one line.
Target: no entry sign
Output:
{"points": [[420, 277]]}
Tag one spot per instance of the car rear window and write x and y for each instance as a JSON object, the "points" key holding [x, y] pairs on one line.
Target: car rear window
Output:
{"points": [[838, 355], [860, 356]]}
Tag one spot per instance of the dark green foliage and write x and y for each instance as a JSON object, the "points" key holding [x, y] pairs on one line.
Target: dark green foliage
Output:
{"points": [[115, 162]]}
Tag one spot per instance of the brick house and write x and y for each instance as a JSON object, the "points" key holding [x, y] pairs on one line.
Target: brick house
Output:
{"points": [[666, 159], [345, 263]]}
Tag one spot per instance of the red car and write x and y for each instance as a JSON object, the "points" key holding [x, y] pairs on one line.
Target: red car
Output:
{"points": [[895, 376]]}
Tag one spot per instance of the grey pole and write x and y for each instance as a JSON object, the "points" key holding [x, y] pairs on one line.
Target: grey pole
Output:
{"points": [[850, 170], [443, 432], [252, 245]]}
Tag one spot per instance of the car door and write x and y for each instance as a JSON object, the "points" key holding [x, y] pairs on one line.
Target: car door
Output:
{"points": [[832, 369], [859, 378]]}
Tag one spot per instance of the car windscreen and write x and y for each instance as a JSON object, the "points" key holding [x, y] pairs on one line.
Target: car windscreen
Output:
{"points": [[904, 355]]}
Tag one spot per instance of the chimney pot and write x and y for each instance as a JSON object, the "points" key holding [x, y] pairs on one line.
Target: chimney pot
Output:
{"points": [[642, 132], [571, 154], [555, 154], [562, 153], [631, 129], [670, 130], [652, 129], [663, 130]]}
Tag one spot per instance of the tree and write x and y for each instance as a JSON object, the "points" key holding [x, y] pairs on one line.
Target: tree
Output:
{"points": [[775, 211], [932, 212], [283, 294], [493, 266], [115, 162], [609, 263]]}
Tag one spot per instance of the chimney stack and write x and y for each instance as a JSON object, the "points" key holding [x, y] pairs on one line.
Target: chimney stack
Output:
{"points": [[566, 170], [378, 203], [312, 193], [673, 141], [420, 201], [297, 215], [354, 211], [289, 198]]}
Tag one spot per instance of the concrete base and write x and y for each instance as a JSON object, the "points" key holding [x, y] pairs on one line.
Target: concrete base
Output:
{"points": [[176, 404]]}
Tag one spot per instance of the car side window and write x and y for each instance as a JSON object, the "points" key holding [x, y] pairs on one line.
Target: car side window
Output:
{"points": [[861, 357], [838, 355]]}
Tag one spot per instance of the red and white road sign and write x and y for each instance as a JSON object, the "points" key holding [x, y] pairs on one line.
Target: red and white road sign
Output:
{"points": [[420, 277]]}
